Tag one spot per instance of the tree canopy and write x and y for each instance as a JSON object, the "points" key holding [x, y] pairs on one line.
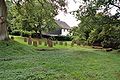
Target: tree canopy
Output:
{"points": [[98, 23], [34, 15]]}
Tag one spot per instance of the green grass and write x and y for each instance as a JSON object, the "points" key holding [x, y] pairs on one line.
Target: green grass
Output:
{"points": [[18, 61]]}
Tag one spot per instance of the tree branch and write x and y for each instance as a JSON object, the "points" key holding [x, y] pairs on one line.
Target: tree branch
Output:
{"points": [[115, 5]]}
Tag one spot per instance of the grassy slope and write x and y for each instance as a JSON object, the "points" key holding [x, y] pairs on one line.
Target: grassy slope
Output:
{"points": [[21, 62]]}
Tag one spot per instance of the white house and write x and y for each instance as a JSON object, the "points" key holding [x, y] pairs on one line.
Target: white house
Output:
{"points": [[62, 30]]}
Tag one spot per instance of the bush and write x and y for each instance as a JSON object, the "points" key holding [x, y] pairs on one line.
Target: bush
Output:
{"points": [[112, 39], [16, 33], [35, 35], [58, 38], [111, 43], [20, 33], [26, 34], [63, 38]]}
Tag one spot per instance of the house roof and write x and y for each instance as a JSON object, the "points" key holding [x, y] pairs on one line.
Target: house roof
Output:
{"points": [[62, 24]]}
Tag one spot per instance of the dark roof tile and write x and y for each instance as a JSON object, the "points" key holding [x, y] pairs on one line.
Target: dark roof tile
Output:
{"points": [[62, 24]]}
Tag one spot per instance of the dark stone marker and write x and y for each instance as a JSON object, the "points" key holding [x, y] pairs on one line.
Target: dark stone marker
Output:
{"points": [[72, 44], [78, 42], [40, 42], [45, 43], [25, 39], [50, 43], [65, 43], [60, 43], [35, 43], [29, 41], [54, 43]]}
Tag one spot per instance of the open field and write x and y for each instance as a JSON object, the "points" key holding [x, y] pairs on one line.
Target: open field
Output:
{"points": [[18, 61]]}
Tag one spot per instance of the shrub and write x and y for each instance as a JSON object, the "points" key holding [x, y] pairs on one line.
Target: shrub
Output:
{"points": [[112, 38], [63, 38], [16, 33], [111, 43], [35, 35], [26, 34], [58, 38], [20, 33]]}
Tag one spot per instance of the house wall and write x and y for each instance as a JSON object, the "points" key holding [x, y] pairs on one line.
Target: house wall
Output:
{"points": [[64, 32], [56, 32]]}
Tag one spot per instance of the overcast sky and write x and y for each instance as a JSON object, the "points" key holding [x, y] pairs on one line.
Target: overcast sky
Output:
{"points": [[68, 18]]}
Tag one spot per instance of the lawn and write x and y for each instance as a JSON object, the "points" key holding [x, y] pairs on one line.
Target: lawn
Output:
{"points": [[18, 61]]}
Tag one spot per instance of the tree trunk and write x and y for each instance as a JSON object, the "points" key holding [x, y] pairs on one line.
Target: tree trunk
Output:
{"points": [[3, 15], [40, 32]]}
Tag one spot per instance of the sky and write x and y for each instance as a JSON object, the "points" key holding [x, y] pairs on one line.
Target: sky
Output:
{"points": [[68, 18]]}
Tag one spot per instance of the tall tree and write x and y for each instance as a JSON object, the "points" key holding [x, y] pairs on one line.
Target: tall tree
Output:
{"points": [[57, 4], [3, 16]]}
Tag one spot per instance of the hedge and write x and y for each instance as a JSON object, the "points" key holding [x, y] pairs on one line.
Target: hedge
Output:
{"points": [[37, 35]]}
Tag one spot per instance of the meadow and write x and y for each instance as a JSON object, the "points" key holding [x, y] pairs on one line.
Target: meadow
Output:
{"points": [[19, 61]]}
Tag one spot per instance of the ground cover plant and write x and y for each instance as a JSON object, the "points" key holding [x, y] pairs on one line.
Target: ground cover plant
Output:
{"points": [[98, 27], [19, 61]]}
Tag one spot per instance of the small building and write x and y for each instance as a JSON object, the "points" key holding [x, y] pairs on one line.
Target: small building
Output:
{"points": [[62, 30]]}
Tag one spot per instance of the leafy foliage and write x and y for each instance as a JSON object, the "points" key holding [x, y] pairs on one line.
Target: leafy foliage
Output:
{"points": [[98, 24], [34, 15]]}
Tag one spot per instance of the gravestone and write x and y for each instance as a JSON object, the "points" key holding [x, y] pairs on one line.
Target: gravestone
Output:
{"points": [[50, 43], [30, 41], [78, 42], [65, 43], [35, 43], [25, 39], [54, 43], [45, 43], [74, 41], [40, 42], [60, 43], [72, 44]]}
